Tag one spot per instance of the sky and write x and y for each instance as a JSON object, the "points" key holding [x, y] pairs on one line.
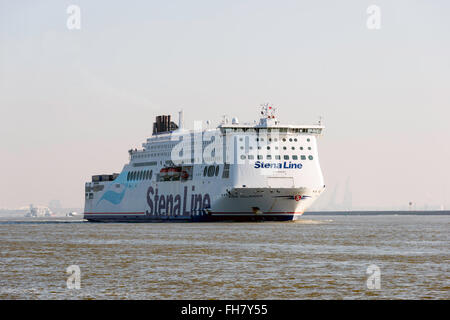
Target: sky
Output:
{"points": [[73, 101]]}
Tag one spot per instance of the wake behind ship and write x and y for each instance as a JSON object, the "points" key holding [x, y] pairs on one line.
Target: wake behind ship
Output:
{"points": [[261, 171]]}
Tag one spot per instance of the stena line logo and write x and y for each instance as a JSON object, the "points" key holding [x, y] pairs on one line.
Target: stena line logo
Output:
{"points": [[277, 165], [177, 204]]}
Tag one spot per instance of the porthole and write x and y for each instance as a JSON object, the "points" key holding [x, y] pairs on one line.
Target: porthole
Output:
{"points": [[303, 157], [310, 157], [294, 157], [286, 157]]}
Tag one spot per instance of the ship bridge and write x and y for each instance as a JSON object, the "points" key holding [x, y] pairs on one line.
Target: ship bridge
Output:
{"points": [[268, 123]]}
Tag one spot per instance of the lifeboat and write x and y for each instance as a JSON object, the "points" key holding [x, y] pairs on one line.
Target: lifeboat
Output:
{"points": [[163, 173], [184, 175], [174, 173]]}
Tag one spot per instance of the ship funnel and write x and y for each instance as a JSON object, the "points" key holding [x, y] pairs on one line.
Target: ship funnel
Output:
{"points": [[163, 124]]}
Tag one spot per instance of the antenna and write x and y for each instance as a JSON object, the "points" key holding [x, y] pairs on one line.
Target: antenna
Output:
{"points": [[180, 119]]}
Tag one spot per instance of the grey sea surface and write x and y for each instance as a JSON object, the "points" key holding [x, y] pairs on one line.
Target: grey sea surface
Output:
{"points": [[318, 257]]}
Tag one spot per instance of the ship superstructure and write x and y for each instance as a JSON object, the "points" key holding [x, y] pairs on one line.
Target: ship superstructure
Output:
{"points": [[235, 172]]}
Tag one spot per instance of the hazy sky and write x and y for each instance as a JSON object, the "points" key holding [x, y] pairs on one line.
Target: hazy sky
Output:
{"points": [[72, 102]]}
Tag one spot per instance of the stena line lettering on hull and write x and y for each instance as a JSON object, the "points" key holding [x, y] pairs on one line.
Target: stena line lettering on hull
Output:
{"points": [[176, 204], [264, 171]]}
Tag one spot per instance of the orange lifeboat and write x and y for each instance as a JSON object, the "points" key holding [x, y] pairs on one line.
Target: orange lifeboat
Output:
{"points": [[174, 173], [164, 173], [184, 175]]}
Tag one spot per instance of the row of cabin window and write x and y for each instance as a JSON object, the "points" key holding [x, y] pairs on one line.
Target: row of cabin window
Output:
{"points": [[276, 139], [149, 155], [276, 148], [277, 157], [139, 175]]}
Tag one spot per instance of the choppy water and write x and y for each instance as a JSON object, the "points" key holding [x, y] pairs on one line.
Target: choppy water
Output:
{"points": [[323, 257]]}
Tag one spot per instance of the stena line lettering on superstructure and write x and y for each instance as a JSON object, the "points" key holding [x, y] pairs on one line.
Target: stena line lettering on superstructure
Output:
{"points": [[277, 165], [178, 204]]}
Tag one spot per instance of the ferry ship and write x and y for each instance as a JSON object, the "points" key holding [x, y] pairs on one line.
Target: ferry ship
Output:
{"points": [[260, 171]]}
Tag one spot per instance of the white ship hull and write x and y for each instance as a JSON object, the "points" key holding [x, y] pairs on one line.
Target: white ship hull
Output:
{"points": [[246, 183]]}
